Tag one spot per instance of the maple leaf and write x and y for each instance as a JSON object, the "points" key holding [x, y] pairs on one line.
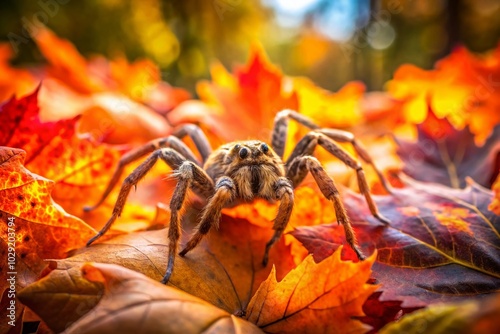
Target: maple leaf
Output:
{"points": [[31, 223], [225, 269], [139, 304], [250, 98], [78, 165], [442, 243], [314, 297], [463, 88], [447, 156]]}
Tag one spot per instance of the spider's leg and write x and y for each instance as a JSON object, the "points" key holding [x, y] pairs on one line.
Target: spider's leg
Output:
{"points": [[198, 137], [280, 135], [284, 193], [131, 180], [306, 147], [171, 141], [224, 193], [348, 137], [187, 175], [296, 173], [280, 128]]}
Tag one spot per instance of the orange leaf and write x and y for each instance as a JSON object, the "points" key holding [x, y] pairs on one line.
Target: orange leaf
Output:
{"points": [[250, 98], [66, 63], [79, 166], [13, 80], [314, 298], [40, 228], [330, 110], [461, 88], [44, 226], [134, 303]]}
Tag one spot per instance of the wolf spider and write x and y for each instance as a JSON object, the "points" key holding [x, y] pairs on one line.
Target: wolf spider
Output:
{"points": [[241, 171]]}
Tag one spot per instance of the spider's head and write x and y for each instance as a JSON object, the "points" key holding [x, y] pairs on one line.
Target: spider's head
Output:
{"points": [[251, 152]]}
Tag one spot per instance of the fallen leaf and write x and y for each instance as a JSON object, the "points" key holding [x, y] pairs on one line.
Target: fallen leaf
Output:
{"points": [[447, 156], [225, 269], [134, 303], [33, 227], [62, 297], [471, 317], [314, 298], [442, 243]]}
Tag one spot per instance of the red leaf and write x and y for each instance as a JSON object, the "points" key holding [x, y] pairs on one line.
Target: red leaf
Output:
{"points": [[445, 155]]}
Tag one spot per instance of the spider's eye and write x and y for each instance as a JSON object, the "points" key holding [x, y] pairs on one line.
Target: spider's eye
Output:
{"points": [[237, 147], [264, 148], [243, 153]]}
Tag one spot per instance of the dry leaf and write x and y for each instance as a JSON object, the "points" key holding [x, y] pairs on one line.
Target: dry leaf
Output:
{"points": [[225, 269], [134, 303]]}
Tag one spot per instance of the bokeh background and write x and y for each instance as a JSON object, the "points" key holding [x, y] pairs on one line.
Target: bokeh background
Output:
{"points": [[331, 42]]}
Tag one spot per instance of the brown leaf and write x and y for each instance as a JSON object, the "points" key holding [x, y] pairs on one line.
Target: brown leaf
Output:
{"points": [[442, 243], [134, 303], [225, 269], [62, 297]]}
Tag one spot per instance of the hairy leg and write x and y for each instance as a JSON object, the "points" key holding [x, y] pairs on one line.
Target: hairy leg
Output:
{"points": [[298, 170], [198, 137], [306, 147], [284, 192], [167, 142], [225, 191], [187, 175], [280, 130]]}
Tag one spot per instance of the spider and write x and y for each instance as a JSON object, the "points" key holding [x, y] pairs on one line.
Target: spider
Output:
{"points": [[241, 171]]}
